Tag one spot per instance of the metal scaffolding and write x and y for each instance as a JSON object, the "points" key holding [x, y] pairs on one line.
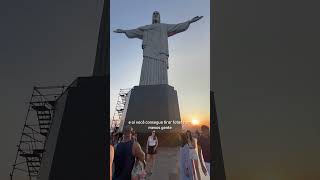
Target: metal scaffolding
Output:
{"points": [[120, 108], [35, 131]]}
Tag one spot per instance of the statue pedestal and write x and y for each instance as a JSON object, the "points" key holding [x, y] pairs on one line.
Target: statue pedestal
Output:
{"points": [[153, 107]]}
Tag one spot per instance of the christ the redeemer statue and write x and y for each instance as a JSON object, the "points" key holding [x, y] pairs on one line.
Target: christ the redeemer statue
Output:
{"points": [[155, 47]]}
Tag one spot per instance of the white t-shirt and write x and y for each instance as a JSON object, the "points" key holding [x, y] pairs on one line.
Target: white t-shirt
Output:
{"points": [[151, 141]]}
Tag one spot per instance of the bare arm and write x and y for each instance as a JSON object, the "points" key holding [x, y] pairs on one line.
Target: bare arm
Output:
{"points": [[200, 154], [137, 151], [201, 160], [147, 145], [111, 160], [156, 143]]}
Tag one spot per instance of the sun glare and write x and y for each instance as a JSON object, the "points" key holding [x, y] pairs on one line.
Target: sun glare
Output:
{"points": [[195, 122]]}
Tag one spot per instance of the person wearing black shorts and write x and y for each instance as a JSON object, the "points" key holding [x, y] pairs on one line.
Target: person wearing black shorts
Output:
{"points": [[151, 149]]}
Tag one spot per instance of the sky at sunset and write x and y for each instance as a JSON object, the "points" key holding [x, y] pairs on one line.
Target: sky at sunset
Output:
{"points": [[265, 71], [189, 63]]}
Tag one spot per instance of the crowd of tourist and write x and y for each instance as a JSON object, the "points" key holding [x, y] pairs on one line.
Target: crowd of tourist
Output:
{"points": [[129, 162], [127, 157]]}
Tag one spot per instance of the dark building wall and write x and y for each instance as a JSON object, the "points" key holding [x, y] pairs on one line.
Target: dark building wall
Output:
{"points": [[80, 151], [53, 136], [101, 65], [217, 164]]}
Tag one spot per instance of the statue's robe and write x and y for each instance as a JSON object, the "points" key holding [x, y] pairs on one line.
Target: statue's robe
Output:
{"points": [[155, 50]]}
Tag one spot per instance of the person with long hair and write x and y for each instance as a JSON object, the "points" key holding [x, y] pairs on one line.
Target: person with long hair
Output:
{"points": [[185, 161], [151, 149], [193, 155]]}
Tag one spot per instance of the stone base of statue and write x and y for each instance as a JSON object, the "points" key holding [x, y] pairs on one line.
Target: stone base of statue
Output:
{"points": [[154, 107]]}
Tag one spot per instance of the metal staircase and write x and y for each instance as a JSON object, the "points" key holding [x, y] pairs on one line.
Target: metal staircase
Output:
{"points": [[35, 131]]}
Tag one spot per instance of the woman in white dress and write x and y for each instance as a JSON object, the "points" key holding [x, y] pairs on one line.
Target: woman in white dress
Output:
{"points": [[193, 155], [152, 144], [186, 170]]}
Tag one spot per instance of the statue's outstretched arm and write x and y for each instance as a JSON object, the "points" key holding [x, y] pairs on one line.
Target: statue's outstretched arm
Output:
{"points": [[132, 33], [119, 31], [197, 18], [173, 29]]}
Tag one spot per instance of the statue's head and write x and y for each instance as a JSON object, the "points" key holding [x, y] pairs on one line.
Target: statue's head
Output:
{"points": [[155, 17]]}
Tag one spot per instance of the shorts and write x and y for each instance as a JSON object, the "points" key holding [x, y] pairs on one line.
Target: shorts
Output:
{"points": [[150, 150]]}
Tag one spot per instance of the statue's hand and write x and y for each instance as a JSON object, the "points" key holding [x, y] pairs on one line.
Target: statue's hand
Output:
{"points": [[119, 31], [197, 18]]}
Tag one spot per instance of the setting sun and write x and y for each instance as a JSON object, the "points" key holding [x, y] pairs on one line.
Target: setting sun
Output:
{"points": [[195, 122]]}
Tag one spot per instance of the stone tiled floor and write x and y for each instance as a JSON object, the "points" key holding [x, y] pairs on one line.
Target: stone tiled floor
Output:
{"points": [[167, 165]]}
